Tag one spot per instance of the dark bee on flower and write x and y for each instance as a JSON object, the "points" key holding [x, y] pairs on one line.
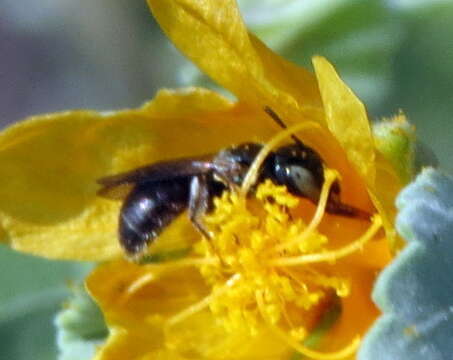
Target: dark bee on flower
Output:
{"points": [[154, 195]]}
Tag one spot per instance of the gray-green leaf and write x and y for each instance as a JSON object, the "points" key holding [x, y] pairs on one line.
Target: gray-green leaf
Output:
{"points": [[80, 327], [415, 293]]}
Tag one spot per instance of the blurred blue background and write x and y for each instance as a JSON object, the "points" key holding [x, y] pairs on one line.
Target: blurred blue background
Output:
{"points": [[110, 54]]}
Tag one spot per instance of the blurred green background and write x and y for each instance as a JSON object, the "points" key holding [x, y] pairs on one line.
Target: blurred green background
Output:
{"points": [[110, 54]]}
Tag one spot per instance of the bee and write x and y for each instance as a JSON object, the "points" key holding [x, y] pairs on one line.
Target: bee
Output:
{"points": [[160, 192]]}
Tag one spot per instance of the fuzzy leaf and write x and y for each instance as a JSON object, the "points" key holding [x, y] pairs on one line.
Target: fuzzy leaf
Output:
{"points": [[80, 326], [415, 291], [395, 139]]}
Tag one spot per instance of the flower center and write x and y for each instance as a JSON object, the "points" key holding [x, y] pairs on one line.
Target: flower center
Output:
{"points": [[265, 264], [254, 240]]}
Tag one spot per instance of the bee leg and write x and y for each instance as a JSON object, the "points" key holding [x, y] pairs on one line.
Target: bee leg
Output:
{"points": [[336, 206], [199, 201]]}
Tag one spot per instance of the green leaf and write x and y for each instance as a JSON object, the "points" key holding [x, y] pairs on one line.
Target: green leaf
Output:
{"points": [[80, 327], [32, 290], [415, 292], [395, 140]]}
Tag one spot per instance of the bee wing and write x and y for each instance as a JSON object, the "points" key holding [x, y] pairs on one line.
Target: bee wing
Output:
{"points": [[115, 192], [119, 185]]}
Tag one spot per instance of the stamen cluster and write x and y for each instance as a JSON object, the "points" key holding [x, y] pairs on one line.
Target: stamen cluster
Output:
{"points": [[267, 266], [250, 235]]}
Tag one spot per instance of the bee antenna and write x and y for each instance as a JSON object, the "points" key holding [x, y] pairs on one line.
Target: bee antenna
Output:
{"points": [[280, 122]]}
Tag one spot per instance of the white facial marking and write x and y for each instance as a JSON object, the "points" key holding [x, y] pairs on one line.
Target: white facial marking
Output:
{"points": [[304, 181]]}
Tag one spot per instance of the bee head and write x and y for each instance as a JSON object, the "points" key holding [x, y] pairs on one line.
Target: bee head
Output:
{"points": [[300, 169]]}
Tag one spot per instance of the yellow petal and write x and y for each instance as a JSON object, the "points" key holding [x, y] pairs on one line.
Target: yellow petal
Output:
{"points": [[47, 188], [50, 163], [347, 119], [388, 185], [138, 300], [358, 310], [213, 36]]}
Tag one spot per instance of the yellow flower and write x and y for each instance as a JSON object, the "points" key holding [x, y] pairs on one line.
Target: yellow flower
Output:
{"points": [[277, 265]]}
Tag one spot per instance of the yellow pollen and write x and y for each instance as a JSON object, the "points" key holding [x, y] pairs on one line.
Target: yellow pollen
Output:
{"points": [[330, 256], [261, 264], [204, 303], [261, 240], [330, 176]]}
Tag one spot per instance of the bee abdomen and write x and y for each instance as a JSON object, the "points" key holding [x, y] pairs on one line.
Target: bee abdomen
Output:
{"points": [[148, 209]]}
